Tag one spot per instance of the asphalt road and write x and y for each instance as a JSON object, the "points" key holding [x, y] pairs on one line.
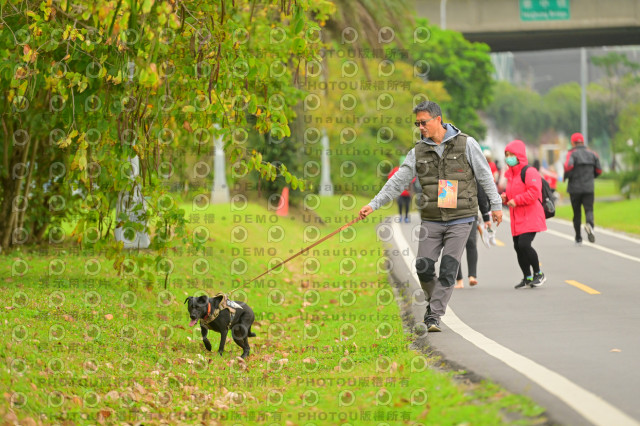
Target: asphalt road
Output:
{"points": [[572, 345]]}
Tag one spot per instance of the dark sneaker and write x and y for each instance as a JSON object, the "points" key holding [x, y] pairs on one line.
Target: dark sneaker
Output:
{"points": [[524, 283], [427, 314], [590, 236], [538, 280], [432, 325]]}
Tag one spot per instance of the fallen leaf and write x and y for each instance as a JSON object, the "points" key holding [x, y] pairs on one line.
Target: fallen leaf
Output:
{"points": [[423, 414], [108, 317], [102, 415], [10, 308], [112, 395], [138, 387]]}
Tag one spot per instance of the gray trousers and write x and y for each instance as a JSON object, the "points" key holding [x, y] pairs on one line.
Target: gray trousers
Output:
{"points": [[434, 239]]}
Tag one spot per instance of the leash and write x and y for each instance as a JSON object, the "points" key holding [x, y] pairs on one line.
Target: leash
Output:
{"points": [[345, 226]]}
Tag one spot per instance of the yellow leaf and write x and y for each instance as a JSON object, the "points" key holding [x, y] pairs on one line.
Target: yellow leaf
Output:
{"points": [[64, 143]]}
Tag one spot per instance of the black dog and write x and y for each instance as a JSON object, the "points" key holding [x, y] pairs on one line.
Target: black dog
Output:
{"points": [[215, 313]]}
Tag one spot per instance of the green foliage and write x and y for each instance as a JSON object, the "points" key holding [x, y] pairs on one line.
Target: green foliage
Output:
{"points": [[528, 115], [619, 89], [369, 23], [363, 92], [563, 104], [464, 67], [615, 64], [94, 84], [520, 112], [369, 123], [627, 142]]}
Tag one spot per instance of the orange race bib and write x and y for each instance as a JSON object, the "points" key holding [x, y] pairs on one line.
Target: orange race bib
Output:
{"points": [[447, 194]]}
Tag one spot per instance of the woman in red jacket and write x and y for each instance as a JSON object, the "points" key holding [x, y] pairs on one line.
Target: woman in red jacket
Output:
{"points": [[525, 210]]}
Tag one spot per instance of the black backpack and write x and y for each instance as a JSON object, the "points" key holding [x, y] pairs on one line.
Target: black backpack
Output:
{"points": [[547, 195]]}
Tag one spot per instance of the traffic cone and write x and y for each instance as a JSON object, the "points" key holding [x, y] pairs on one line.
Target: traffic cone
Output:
{"points": [[283, 206]]}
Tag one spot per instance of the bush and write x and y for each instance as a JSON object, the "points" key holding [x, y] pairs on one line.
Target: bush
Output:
{"points": [[629, 183]]}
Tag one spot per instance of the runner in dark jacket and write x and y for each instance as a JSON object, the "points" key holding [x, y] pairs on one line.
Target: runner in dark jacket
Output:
{"points": [[581, 167]]}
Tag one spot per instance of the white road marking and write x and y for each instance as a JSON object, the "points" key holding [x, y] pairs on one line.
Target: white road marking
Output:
{"points": [[600, 231], [592, 245], [595, 246], [590, 406]]}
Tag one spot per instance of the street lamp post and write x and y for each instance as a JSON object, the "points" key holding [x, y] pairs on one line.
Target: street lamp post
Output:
{"points": [[584, 77]]}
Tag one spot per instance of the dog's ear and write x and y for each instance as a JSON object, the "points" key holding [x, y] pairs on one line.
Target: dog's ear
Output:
{"points": [[203, 300], [187, 299]]}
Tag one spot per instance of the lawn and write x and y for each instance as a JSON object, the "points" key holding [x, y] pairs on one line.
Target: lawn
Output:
{"points": [[618, 215], [603, 188], [83, 345]]}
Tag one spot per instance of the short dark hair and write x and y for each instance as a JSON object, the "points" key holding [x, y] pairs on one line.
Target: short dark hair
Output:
{"points": [[428, 106]]}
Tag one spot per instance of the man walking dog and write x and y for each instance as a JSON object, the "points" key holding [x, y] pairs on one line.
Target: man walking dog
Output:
{"points": [[447, 163]]}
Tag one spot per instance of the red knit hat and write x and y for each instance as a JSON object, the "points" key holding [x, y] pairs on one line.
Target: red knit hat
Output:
{"points": [[577, 137]]}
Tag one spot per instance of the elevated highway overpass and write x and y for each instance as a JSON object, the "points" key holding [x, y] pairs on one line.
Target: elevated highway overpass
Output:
{"points": [[518, 25]]}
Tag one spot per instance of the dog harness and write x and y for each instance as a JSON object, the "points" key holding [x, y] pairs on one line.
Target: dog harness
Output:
{"points": [[225, 303]]}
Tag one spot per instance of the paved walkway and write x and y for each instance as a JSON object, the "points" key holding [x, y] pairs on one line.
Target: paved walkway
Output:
{"points": [[571, 345]]}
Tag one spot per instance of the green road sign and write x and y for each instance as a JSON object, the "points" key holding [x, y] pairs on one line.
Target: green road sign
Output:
{"points": [[544, 10]]}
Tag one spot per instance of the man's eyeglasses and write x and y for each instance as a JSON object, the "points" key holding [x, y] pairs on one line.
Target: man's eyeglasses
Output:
{"points": [[423, 122]]}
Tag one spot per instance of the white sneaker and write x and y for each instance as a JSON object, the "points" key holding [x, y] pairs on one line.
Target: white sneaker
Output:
{"points": [[590, 236], [485, 237], [491, 237]]}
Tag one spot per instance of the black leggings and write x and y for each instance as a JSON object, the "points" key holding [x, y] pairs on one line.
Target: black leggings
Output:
{"points": [[577, 201], [472, 253], [527, 256], [404, 202]]}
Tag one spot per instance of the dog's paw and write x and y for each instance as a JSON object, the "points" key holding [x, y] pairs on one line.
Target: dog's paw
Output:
{"points": [[221, 352], [207, 345]]}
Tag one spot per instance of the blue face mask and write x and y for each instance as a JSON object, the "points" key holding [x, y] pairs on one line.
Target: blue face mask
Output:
{"points": [[511, 161]]}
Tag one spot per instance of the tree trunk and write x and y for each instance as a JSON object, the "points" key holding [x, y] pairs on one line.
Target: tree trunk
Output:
{"points": [[28, 185], [12, 189]]}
